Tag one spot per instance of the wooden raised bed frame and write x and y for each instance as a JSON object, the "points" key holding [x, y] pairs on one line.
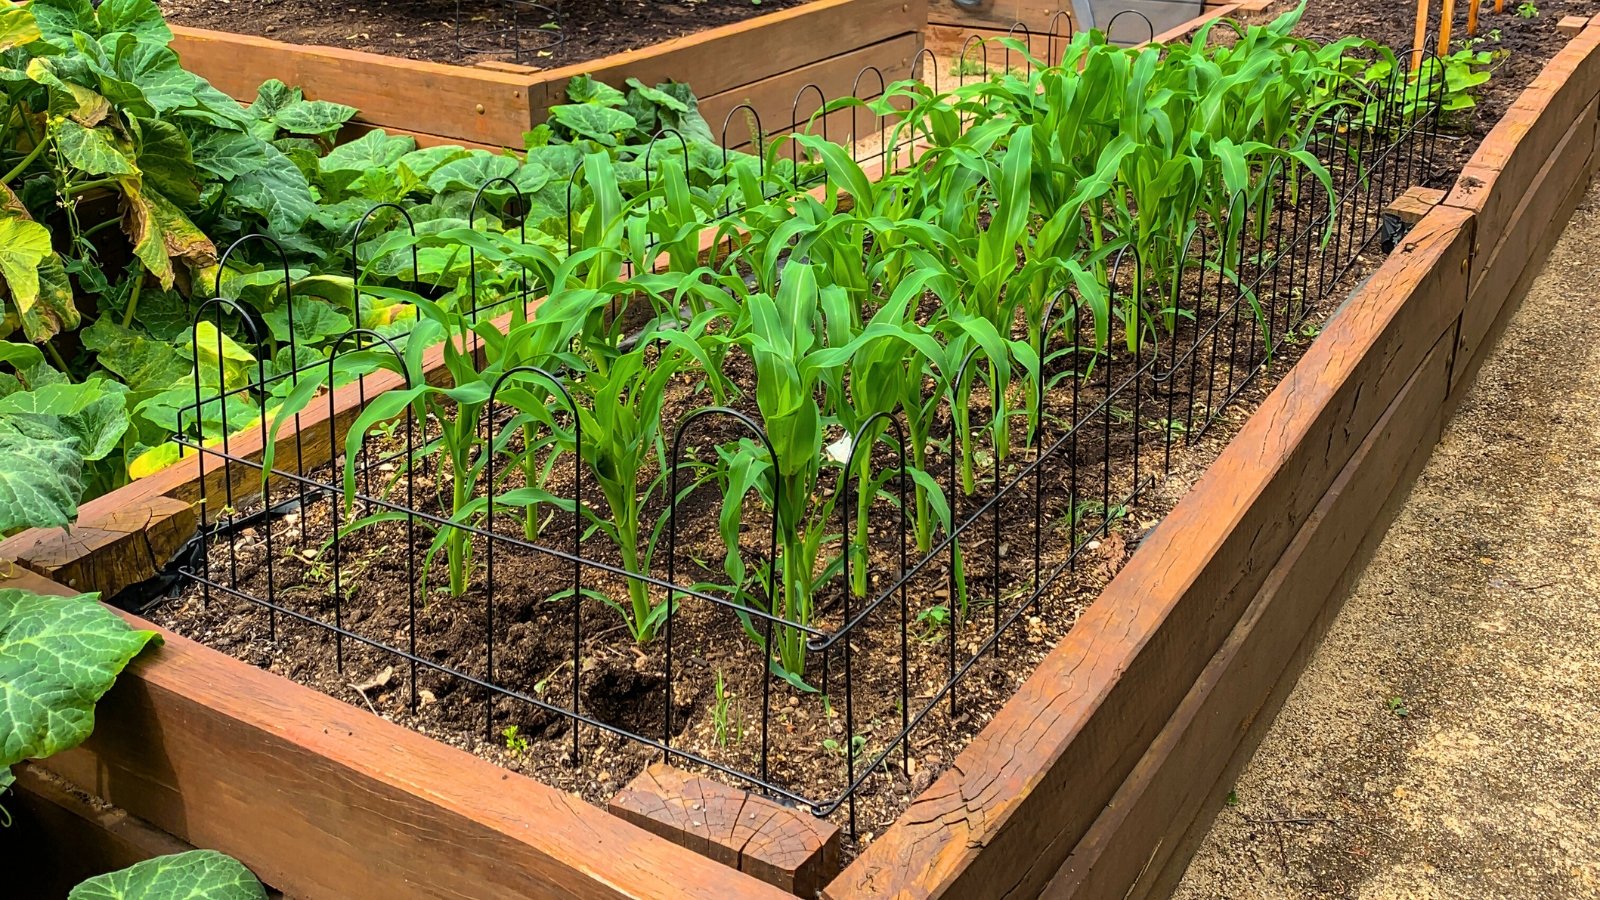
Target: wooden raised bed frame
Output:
{"points": [[1096, 779], [763, 61]]}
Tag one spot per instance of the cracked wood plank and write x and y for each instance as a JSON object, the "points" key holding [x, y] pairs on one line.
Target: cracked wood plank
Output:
{"points": [[1031, 784], [778, 845], [323, 799], [108, 549], [1141, 843]]}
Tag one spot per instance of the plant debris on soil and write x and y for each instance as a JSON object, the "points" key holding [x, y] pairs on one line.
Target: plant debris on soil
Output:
{"points": [[469, 31]]}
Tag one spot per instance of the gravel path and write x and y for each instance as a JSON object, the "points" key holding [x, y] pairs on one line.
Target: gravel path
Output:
{"points": [[1445, 741]]}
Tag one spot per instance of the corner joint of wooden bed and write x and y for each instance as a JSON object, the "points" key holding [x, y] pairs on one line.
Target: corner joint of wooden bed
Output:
{"points": [[784, 847]]}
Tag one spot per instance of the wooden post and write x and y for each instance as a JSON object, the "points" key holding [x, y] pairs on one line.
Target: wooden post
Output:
{"points": [[781, 846], [1421, 37], [1472, 17], [1446, 14], [1571, 26], [1499, 6]]}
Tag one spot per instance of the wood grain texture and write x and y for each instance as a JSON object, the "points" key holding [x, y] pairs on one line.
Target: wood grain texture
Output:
{"points": [[1017, 800], [783, 847], [324, 800], [109, 549], [1514, 252], [1416, 202], [1135, 838], [1572, 25], [460, 102], [733, 56], [1036, 15], [1505, 166], [60, 836], [780, 104]]}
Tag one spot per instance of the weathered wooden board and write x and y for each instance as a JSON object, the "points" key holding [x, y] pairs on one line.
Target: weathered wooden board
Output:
{"points": [[126, 545], [491, 106], [1134, 839], [460, 102], [783, 847], [1508, 257], [1504, 167], [743, 53], [324, 800], [835, 78], [1018, 799], [59, 836]]}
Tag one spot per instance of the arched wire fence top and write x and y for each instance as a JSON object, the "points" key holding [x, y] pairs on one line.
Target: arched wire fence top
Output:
{"points": [[962, 60], [1053, 33], [1150, 27], [358, 334], [256, 237], [883, 123], [926, 67], [247, 321], [773, 577], [759, 140], [649, 150], [817, 117], [1022, 33], [472, 253], [356, 268]]}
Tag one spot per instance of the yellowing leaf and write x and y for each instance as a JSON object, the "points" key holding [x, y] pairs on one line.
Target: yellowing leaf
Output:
{"points": [[160, 233], [17, 25], [235, 361], [24, 245]]}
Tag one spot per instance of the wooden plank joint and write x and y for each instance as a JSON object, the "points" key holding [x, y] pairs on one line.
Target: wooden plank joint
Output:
{"points": [[779, 845], [1415, 203], [108, 550]]}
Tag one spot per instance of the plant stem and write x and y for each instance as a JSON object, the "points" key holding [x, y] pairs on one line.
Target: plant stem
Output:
{"points": [[83, 187], [55, 357], [27, 161], [133, 300]]}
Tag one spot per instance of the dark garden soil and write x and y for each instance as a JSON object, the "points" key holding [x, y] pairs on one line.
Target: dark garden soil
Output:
{"points": [[433, 30], [626, 685], [1523, 46]]}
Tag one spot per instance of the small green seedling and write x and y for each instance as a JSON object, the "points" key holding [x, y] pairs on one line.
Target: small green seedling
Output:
{"points": [[725, 716], [1397, 706], [932, 621], [1233, 798], [857, 744], [516, 744], [1528, 11]]}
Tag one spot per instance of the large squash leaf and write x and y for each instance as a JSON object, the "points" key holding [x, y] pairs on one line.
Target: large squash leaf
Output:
{"points": [[41, 474], [24, 246], [17, 25], [58, 656], [195, 875]]}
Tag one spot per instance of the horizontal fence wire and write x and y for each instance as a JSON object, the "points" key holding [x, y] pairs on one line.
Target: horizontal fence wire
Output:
{"points": [[1103, 423]]}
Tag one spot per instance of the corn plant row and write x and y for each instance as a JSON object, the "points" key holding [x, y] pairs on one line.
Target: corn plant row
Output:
{"points": [[1044, 234]]}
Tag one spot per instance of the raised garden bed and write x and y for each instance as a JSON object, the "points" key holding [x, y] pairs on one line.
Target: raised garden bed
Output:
{"points": [[1179, 629], [765, 61]]}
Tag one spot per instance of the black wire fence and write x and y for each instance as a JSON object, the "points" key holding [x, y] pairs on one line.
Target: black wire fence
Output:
{"points": [[894, 659]]}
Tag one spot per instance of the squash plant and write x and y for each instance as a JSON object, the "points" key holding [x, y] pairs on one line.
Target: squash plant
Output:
{"points": [[58, 657]]}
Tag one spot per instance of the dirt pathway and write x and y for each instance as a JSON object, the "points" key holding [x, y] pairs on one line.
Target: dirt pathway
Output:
{"points": [[1445, 741]]}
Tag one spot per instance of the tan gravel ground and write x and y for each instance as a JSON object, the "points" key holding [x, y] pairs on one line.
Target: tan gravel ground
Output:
{"points": [[1445, 741]]}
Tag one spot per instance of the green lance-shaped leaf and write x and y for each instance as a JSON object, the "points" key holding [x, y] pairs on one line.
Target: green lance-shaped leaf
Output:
{"points": [[58, 655], [195, 875]]}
